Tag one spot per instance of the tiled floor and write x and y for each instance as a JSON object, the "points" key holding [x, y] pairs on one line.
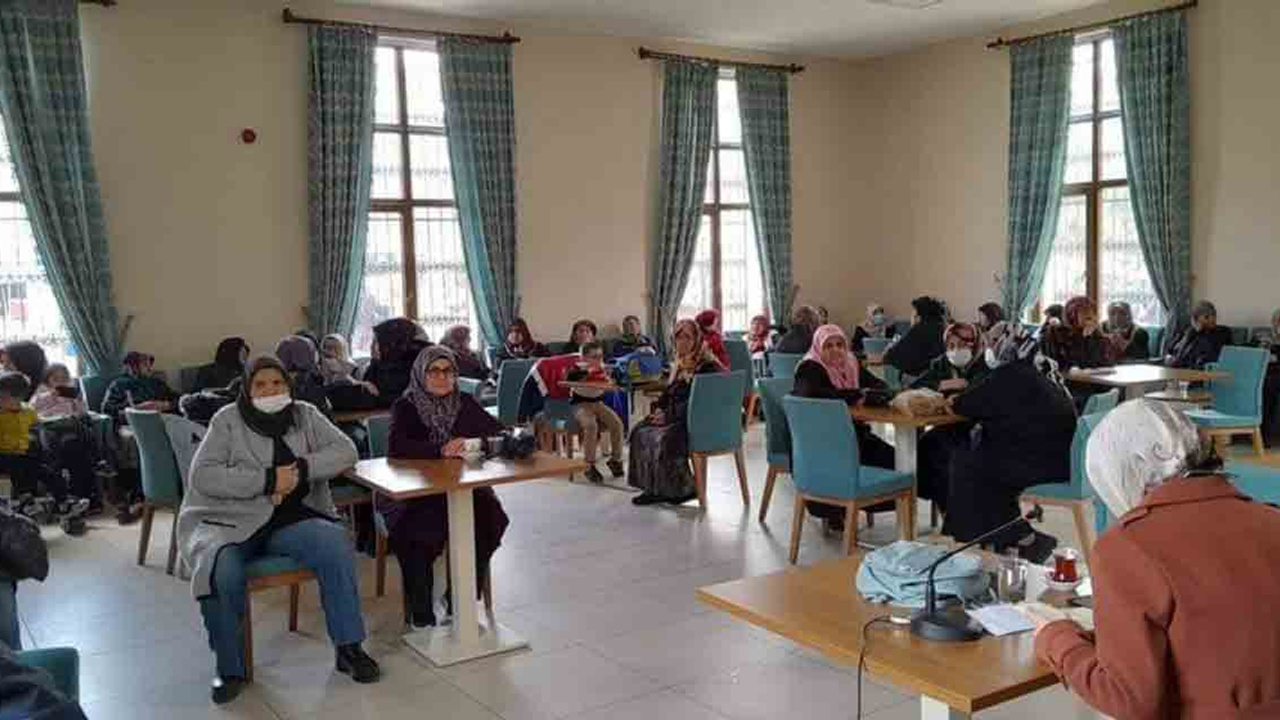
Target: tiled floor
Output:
{"points": [[603, 591]]}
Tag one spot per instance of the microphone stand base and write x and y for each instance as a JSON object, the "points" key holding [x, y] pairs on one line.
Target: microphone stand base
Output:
{"points": [[942, 626]]}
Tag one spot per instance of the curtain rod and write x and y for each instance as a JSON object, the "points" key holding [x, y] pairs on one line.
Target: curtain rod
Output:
{"points": [[291, 18], [1002, 43], [103, 3], [647, 54]]}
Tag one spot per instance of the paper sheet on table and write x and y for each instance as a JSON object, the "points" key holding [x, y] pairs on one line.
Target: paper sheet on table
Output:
{"points": [[1004, 619], [1085, 588]]}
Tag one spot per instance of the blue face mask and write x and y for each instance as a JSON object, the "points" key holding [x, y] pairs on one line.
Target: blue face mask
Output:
{"points": [[877, 319]]}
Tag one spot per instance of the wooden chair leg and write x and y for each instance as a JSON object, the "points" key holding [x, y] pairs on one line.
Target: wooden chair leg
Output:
{"points": [[295, 593], [752, 402], [144, 539], [740, 459], [850, 528], [380, 565], [769, 480], [700, 478], [1259, 446], [173, 544], [1083, 531], [797, 524], [248, 636]]}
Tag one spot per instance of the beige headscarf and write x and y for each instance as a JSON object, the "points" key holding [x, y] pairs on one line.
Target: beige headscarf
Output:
{"points": [[1138, 446]]}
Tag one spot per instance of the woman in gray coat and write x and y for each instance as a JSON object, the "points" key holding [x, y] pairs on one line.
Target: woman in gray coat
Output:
{"points": [[259, 486]]}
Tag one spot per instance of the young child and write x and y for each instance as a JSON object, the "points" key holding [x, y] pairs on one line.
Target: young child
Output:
{"points": [[66, 434], [593, 414], [335, 365], [17, 419]]}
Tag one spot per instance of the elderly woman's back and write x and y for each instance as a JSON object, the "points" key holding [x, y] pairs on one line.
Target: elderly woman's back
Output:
{"points": [[1185, 590]]}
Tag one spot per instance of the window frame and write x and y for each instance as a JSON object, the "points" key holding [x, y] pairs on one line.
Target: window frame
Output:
{"points": [[715, 209]]}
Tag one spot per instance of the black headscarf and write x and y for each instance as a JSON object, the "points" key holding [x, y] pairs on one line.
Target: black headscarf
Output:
{"points": [[397, 337], [29, 359], [265, 424], [228, 353]]}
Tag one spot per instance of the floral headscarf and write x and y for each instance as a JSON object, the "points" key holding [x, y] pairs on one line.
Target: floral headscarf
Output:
{"points": [[687, 364], [438, 413], [1076, 307], [844, 372], [967, 333]]}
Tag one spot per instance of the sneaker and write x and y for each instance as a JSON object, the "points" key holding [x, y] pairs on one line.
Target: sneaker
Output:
{"points": [[354, 661], [646, 499], [224, 690], [73, 507], [594, 475], [615, 467]]}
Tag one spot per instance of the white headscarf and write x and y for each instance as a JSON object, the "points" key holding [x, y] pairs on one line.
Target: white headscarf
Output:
{"points": [[1138, 446]]}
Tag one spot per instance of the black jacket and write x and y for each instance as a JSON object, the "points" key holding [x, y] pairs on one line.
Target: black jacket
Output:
{"points": [[922, 343], [942, 369], [1195, 349], [1138, 347], [797, 341], [860, 334], [391, 375], [812, 381], [215, 377], [1071, 349]]}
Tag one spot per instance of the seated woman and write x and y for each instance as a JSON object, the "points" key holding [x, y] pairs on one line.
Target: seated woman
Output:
{"points": [[989, 313], [259, 485], [1271, 382], [582, 332], [923, 342], [631, 340], [1180, 626], [432, 420], [336, 366], [1079, 341], [876, 325], [1052, 319], [299, 357], [1129, 342], [961, 366], [829, 371], [520, 344], [138, 388], [799, 337], [396, 344], [1202, 343], [709, 323], [227, 366], [659, 461], [470, 364], [759, 337], [1026, 424]]}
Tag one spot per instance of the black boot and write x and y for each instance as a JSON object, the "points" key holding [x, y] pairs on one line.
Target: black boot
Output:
{"points": [[354, 661], [224, 690]]}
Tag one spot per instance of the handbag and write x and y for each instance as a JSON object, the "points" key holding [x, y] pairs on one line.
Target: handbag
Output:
{"points": [[23, 553]]}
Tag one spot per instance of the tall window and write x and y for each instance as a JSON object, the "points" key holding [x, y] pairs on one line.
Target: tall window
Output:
{"points": [[726, 271], [1096, 251], [414, 265], [28, 310]]}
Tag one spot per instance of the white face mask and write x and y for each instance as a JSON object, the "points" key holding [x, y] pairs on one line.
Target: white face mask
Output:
{"points": [[990, 357], [877, 319], [272, 404], [960, 357]]}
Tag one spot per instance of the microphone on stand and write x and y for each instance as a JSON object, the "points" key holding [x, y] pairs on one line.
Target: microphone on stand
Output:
{"points": [[941, 626]]}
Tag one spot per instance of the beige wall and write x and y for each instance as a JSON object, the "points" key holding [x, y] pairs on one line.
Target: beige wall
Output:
{"points": [[208, 236], [943, 155]]}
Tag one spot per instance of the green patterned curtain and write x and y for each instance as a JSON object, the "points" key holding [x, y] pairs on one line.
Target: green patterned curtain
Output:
{"points": [[1040, 108], [688, 127], [1155, 102], [340, 167], [766, 140], [42, 98], [480, 119]]}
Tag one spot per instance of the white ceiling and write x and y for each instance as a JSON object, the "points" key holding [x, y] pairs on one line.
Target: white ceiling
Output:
{"points": [[836, 28]]}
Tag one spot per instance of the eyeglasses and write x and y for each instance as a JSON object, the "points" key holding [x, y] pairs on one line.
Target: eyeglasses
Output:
{"points": [[441, 373]]}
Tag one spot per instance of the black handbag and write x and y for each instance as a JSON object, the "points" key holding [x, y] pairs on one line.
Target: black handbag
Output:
{"points": [[23, 554]]}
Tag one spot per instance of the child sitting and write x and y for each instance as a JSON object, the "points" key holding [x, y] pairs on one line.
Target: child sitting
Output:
{"points": [[17, 419], [335, 364], [592, 413], [65, 432]]}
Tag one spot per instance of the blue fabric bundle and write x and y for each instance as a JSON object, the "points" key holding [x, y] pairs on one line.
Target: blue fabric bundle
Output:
{"points": [[896, 574]]}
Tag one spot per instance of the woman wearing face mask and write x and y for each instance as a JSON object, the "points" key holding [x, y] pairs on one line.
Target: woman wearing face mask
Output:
{"points": [[259, 485], [520, 344], [876, 325], [1184, 582], [432, 420], [830, 372], [961, 366], [1128, 341]]}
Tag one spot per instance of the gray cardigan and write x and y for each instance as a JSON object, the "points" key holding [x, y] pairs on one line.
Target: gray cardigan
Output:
{"points": [[226, 499]]}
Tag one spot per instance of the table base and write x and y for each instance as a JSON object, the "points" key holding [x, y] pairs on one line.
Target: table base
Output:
{"points": [[443, 647], [931, 709]]}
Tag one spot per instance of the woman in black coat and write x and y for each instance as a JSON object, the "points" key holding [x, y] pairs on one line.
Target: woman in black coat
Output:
{"points": [[396, 344], [1202, 343], [923, 342], [1130, 342]]}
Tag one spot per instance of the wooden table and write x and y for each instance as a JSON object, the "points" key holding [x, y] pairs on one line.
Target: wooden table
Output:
{"points": [[359, 416], [1133, 380], [467, 638], [906, 430], [819, 607], [603, 387]]}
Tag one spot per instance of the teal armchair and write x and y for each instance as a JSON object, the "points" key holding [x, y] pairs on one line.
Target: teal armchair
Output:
{"points": [[715, 427], [740, 361], [161, 479], [1237, 400], [62, 663], [1075, 493], [783, 365], [777, 434], [511, 379]]}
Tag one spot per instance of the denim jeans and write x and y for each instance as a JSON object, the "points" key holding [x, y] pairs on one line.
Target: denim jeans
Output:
{"points": [[9, 633], [319, 545]]}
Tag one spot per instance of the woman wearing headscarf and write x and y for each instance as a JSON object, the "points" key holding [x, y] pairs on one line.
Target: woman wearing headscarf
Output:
{"points": [[259, 485], [1271, 382], [138, 388], [989, 313], [520, 344], [396, 344], [432, 420], [1202, 343], [830, 371], [1128, 341], [1183, 618], [923, 342], [470, 365], [659, 461], [582, 332], [758, 336], [1079, 341], [227, 366], [336, 366], [709, 323], [799, 337], [29, 359], [1025, 424], [876, 325], [961, 366], [301, 361]]}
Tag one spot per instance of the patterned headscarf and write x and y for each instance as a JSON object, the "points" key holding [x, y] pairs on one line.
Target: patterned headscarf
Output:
{"points": [[687, 364], [438, 413], [844, 372], [966, 333], [1125, 311], [1139, 445], [1076, 307]]}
